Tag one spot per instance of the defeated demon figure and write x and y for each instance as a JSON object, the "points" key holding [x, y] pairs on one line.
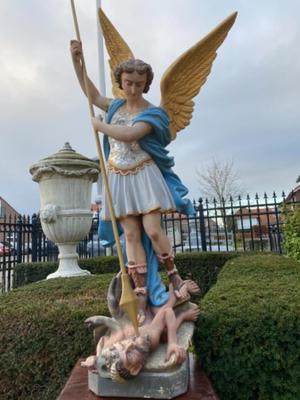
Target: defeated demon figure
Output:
{"points": [[124, 354]]}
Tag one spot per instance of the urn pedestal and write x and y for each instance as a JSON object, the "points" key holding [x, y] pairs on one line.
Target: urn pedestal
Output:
{"points": [[65, 181]]}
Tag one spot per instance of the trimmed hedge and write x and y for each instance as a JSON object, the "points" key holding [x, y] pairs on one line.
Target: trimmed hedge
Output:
{"points": [[36, 271], [42, 334], [248, 333], [201, 267], [291, 231]]}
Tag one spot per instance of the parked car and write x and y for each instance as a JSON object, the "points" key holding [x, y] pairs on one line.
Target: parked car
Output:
{"points": [[193, 243], [5, 249], [46, 249], [94, 247], [43, 248], [25, 248]]}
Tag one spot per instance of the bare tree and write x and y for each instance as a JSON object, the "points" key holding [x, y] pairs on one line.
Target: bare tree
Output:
{"points": [[219, 180]]}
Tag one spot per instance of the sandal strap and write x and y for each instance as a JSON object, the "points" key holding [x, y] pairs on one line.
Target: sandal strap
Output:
{"points": [[138, 272], [172, 271], [162, 258], [139, 268], [141, 290]]}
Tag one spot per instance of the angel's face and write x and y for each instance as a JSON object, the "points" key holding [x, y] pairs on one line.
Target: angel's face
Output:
{"points": [[133, 84]]}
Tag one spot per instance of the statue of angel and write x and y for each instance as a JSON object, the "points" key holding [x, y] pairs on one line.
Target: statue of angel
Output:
{"points": [[136, 133]]}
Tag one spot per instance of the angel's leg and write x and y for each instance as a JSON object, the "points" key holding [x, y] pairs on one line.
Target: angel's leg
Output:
{"points": [[153, 229], [137, 267], [134, 247], [162, 247]]}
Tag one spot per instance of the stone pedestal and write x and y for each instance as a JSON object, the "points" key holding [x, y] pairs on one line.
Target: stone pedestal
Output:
{"points": [[151, 385], [76, 388]]}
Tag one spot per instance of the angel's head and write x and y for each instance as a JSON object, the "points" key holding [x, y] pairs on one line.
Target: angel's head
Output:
{"points": [[134, 75], [126, 358]]}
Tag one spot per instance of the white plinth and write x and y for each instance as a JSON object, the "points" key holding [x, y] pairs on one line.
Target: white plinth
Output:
{"points": [[68, 262]]}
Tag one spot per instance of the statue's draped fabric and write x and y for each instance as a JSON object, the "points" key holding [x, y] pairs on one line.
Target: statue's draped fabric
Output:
{"points": [[154, 144]]}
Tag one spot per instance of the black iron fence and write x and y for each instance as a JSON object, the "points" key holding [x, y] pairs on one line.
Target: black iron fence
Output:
{"points": [[234, 225]]}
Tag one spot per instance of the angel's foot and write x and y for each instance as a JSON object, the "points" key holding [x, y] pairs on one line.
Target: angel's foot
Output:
{"points": [[185, 289], [192, 287], [180, 287]]}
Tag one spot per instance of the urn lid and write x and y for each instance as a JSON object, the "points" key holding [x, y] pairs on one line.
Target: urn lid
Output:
{"points": [[66, 162]]}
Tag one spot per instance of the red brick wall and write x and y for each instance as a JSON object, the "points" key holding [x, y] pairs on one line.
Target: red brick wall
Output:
{"points": [[6, 212]]}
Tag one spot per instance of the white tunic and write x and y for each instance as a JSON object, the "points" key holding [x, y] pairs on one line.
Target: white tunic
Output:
{"points": [[136, 183]]}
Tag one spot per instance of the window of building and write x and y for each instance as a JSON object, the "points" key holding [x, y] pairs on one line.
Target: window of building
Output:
{"points": [[2, 212]]}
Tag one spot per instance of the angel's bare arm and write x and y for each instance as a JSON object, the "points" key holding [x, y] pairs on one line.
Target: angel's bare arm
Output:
{"points": [[123, 133], [97, 99]]}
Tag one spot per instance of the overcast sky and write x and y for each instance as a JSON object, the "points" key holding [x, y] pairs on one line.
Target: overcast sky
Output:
{"points": [[247, 111]]}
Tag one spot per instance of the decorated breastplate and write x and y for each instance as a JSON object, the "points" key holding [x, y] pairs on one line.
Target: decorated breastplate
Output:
{"points": [[126, 158]]}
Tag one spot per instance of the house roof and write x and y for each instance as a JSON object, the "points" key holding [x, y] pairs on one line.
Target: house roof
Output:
{"points": [[265, 215], [295, 193], [7, 204]]}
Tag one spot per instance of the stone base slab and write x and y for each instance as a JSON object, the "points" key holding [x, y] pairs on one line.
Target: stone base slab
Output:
{"points": [[76, 387], [148, 385]]}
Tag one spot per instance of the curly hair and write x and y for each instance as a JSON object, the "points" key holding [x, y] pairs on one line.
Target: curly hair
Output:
{"points": [[134, 65], [118, 371]]}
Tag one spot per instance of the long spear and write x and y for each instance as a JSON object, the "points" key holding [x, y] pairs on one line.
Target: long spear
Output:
{"points": [[128, 301]]}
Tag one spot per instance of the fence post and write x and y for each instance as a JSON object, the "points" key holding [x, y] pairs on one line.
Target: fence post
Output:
{"points": [[34, 236], [19, 239], [202, 225]]}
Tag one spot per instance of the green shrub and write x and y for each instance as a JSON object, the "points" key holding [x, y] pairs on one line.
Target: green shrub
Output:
{"points": [[291, 232], [248, 333], [36, 271], [201, 267], [42, 334]]}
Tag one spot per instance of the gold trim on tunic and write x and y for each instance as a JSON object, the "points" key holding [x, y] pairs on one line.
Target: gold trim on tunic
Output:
{"points": [[136, 214], [129, 171]]}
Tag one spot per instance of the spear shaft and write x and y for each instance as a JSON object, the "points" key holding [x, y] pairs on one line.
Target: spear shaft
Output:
{"points": [[128, 301]]}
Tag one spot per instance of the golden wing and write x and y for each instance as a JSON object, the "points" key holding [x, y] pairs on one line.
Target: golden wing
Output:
{"points": [[183, 79], [117, 49]]}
